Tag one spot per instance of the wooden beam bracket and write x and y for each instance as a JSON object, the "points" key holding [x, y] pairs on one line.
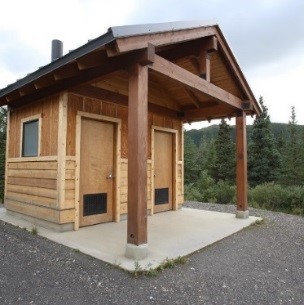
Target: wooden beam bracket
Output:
{"points": [[144, 56], [210, 44], [148, 55], [247, 106]]}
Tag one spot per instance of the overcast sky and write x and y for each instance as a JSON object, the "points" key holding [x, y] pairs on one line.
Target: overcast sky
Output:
{"points": [[266, 36]]}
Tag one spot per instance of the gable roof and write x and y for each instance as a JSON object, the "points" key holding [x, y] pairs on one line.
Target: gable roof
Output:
{"points": [[125, 39]]}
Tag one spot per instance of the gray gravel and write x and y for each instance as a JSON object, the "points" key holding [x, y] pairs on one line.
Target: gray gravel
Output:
{"points": [[263, 264]]}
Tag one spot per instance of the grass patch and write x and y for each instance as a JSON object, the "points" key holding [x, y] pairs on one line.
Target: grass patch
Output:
{"points": [[259, 222], [151, 272], [34, 231], [137, 270]]}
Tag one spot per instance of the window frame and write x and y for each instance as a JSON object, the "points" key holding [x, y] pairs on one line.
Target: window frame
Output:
{"points": [[36, 117]]}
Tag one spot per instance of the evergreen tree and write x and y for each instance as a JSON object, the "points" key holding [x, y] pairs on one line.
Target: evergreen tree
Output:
{"points": [[190, 160], [209, 159], [302, 155], [281, 143], [292, 174], [225, 154], [264, 159], [3, 117]]}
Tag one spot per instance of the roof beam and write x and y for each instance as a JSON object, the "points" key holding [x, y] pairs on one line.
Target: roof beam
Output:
{"points": [[208, 113], [44, 81], [118, 98], [66, 72], [26, 89], [92, 60], [189, 49], [194, 82], [48, 85], [131, 43]]}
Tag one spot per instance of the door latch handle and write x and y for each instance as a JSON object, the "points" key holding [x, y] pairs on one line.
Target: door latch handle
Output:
{"points": [[110, 176]]}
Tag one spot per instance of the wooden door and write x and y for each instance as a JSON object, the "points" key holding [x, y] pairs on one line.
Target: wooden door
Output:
{"points": [[163, 171], [96, 185]]}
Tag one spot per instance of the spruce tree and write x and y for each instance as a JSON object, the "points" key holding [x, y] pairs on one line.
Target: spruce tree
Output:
{"points": [[208, 163], [264, 159], [225, 154], [302, 154], [292, 174], [190, 160]]}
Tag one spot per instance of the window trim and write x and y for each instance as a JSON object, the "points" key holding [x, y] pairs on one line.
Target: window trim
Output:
{"points": [[26, 120]]}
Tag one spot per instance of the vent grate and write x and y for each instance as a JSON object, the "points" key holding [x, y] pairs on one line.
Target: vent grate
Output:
{"points": [[94, 204], [161, 196]]}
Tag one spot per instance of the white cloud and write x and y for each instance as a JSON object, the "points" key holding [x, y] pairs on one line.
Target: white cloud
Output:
{"points": [[281, 89], [267, 36], [29, 26]]}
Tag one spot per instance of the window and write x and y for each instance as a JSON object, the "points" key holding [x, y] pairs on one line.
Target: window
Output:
{"points": [[30, 138]]}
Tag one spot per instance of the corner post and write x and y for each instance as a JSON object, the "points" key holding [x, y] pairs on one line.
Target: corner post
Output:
{"points": [[137, 247], [7, 150], [241, 166], [62, 132]]}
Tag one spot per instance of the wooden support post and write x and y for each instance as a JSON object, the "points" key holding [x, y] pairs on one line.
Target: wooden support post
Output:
{"points": [[137, 162], [204, 66], [7, 151], [241, 166]]}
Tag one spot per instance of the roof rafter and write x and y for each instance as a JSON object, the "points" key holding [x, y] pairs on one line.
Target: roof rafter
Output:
{"points": [[207, 113], [194, 82]]}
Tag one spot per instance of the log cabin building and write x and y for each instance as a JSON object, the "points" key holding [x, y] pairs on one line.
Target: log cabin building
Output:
{"points": [[97, 134]]}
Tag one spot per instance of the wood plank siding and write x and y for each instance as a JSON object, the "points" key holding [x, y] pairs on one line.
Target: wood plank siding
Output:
{"points": [[34, 184]]}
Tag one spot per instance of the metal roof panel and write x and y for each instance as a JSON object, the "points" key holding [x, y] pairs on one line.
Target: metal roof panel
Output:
{"points": [[143, 29]]}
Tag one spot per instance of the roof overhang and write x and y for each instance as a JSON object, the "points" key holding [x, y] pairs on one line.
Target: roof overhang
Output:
{"points": [[119, 46]]}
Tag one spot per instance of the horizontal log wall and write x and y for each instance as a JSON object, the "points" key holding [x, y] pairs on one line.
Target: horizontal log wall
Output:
{"points": [[180, 184], [69, 191], [32, 189], [48, 109]]}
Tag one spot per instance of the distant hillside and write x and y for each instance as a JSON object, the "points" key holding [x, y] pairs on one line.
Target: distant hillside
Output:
{"points": [[210, 132]]}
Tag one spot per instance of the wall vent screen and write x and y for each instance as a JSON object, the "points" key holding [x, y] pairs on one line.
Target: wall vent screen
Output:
{"points": [[162, 196], [94, 204]]}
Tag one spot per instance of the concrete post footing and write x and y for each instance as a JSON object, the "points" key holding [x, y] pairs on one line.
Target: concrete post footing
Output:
{"points": [[136, 252], [242, 214]]}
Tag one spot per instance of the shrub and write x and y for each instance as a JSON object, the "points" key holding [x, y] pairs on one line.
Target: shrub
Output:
{"points": [[224, 192], [192, 193], [275, 197], [205, 187]]}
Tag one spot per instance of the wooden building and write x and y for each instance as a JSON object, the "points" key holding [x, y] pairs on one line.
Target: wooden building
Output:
{"points": [[97, 134]]}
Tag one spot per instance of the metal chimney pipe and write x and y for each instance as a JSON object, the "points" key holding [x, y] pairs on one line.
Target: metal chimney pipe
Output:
{"points": [[57, 49]]}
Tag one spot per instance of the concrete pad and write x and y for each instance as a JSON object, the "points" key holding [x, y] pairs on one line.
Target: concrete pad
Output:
{"points": [[170, 235]]}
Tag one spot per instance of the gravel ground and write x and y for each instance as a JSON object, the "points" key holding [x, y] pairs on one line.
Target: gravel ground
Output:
{"points": [[263, 264]]}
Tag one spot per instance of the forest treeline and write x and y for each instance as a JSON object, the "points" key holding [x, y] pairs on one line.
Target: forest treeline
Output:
{"points": [[275, 164]]}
